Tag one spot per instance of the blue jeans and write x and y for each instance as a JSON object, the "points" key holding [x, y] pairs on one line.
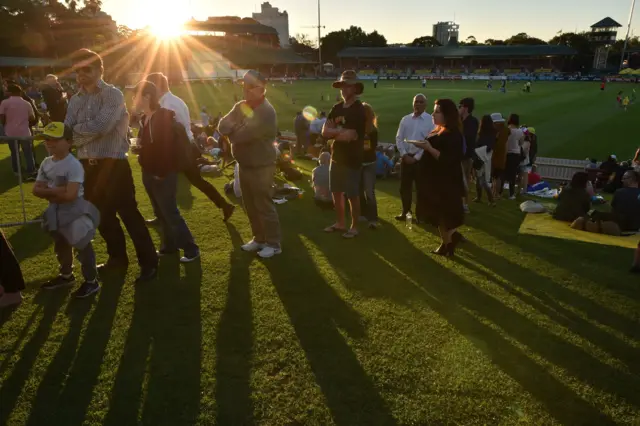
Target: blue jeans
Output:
{"points": [[175, 232], [368, 196], [27, 149]]}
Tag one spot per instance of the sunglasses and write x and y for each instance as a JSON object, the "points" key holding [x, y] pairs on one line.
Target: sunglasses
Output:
{"points": [[84, 70]]}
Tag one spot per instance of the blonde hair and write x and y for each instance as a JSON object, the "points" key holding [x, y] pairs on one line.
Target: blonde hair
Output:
{"points": [[371, 117]]}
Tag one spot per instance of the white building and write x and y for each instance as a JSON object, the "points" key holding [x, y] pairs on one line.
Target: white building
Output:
{"points": [[442, 31], [272, 17]]}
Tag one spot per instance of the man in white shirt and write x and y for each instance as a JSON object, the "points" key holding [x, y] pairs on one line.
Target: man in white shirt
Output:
{"points": [[171, 102], [415, 126]]}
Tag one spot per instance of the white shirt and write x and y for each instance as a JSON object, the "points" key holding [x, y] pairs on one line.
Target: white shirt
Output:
{"points": [[413, 128], [173, 103], [316, 125]]}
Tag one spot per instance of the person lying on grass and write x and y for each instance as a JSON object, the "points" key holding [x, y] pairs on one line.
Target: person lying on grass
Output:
{"points": [[71, 220]]}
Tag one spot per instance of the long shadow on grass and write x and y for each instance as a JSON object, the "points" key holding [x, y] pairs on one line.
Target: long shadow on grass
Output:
{"points": [[453, 297], [12, 386], [592, 262], [560, 352], [318, 316], [69, 383], [158, 379], [7, 180], [29, 241], [234, 343]]}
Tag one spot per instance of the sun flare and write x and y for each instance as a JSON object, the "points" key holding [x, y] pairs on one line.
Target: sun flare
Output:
{"points": [[165, 24]]}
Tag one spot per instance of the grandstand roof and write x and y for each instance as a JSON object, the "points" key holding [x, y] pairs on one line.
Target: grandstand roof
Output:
{"points": [[606, 23], [12, 61], [232, 28], [259, 55], [460, 51]]}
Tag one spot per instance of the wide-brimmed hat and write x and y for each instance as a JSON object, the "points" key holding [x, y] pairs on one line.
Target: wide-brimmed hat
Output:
{"points": [[349, 78]]}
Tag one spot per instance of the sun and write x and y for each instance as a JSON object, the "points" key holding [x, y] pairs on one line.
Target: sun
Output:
{"points": [[165, 24]]}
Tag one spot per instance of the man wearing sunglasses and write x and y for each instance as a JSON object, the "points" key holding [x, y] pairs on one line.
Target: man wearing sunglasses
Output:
{"points": [[100, 121]]}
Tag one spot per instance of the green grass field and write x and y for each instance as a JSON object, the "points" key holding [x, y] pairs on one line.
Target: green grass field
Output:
{"points": [[518, 329]]}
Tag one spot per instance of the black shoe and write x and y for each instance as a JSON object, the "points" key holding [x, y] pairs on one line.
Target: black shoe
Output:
{"points": [[458, 238], [87, 289], [450, 250], [59, 282], [113, 264], [166, 252], [190, 257], [154, 221], [227, 211], [401, 217], [147, 274]]}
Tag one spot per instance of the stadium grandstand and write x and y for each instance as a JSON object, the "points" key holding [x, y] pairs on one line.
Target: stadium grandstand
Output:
{"points": [[455, 60], [222, 48]]}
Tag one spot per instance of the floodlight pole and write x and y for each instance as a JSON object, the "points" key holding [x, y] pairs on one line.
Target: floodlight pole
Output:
{"points": [[626, 39], [319, 39]]}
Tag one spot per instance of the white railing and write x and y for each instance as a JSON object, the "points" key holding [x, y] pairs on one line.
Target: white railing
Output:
{"points": [[16, 141]]}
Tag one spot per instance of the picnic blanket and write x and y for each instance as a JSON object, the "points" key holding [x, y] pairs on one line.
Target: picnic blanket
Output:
{"points": [[544, 225]]}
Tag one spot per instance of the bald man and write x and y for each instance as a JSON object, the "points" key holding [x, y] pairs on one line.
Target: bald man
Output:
{"points": [[414, 126]]}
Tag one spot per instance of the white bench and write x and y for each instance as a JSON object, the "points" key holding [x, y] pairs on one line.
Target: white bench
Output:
{"points": [[559, 169]]}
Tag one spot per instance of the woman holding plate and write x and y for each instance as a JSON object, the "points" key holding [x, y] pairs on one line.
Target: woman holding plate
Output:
{"points": [[442, 181]]}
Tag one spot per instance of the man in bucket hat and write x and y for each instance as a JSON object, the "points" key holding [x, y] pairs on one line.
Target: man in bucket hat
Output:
{"points": [[345, 125]]}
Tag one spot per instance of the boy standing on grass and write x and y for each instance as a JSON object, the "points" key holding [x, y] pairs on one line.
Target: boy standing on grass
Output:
{"points": [[71, 220]]}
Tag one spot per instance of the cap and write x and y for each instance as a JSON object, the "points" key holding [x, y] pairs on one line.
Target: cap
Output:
{"points": [[55, 131], [531, 130], [254, 78], [496, 117], [615, 157]]}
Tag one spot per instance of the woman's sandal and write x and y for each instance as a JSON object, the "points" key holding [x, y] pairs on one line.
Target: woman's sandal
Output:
{"points": [[351, 233], [333, 228]]}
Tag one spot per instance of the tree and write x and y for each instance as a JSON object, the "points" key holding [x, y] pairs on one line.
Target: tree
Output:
{"points": [[303, 45], [581, 43], [494, 42], [425, 41], [524, 39], [470, 41], [353, 36]]}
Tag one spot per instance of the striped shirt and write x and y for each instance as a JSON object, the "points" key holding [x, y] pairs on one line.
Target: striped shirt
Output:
{"points": [[100, 122]]}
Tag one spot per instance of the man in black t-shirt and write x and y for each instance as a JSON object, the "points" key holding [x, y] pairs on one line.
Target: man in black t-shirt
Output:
{"points": [[52, 95], [470, 127], [346, 126], [626, 203]]}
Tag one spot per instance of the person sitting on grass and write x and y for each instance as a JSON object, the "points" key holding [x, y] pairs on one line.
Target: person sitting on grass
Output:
{"points": [[625, 206], [320, 182], [534, 177], [574, 201], [71, 220], [384, 166]]}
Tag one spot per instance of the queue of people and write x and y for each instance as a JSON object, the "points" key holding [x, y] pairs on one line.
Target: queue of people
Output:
{"points": [[440, 153]]}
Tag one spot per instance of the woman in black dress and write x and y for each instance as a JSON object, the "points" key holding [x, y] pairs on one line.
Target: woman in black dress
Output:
{"points": [[442, 181]]}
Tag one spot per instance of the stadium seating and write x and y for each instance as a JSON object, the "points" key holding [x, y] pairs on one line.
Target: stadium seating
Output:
{"points": [[482, 71], [512, 71], [423, 71], [367, 72], [543, 70], [393, 72]]}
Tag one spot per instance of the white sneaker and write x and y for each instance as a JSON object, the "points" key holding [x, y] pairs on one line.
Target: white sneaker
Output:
{"points": [[268, 252], [513, 197], [252, 246]]}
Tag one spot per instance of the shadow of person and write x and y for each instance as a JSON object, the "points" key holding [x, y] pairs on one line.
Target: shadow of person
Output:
{"points": [[46, 402], [586, 260], [159, 373], [79, 380], [234, 342], [11, 387], [455, 299], [30, 240], [318, 316]]}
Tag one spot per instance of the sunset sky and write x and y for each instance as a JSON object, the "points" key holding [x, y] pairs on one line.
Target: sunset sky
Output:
{"points": [[397, 21]]}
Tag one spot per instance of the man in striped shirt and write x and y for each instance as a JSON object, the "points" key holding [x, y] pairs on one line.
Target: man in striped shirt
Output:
{"points": [[100, 121]]}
